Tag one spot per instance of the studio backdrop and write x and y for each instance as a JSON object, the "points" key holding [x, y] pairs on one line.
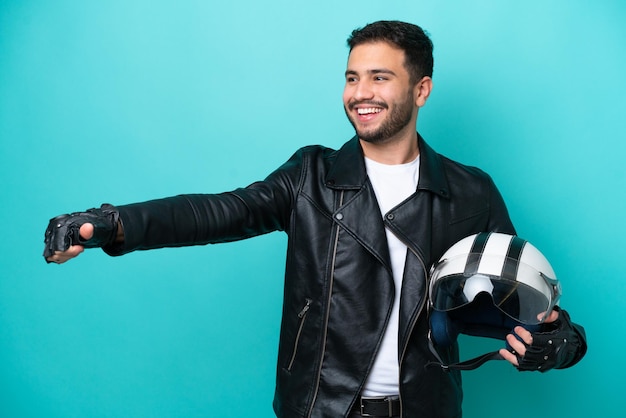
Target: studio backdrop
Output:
{"points": [[125, 101]]}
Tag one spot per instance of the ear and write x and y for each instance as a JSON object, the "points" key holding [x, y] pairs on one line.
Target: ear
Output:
{"points": [[422, 90]]}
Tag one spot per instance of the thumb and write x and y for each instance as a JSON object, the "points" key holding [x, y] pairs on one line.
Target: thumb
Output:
{"points": [[553, 316], [86, 231]]}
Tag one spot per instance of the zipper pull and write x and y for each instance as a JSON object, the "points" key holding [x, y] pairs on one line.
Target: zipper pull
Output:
{"points": [[306, 308]]}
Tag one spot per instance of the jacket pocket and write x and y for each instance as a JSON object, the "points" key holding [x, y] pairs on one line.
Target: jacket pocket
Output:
{"points": [[302, 318]]}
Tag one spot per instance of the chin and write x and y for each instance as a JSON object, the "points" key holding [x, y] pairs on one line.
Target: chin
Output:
{"points": [[372, 136], [372, 139]]}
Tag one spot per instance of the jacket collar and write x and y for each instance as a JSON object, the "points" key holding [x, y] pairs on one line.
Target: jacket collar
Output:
{"points": [[348, 170]]}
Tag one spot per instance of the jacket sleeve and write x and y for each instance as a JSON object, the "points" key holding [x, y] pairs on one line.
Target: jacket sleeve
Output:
{"points": [[197, 219]]}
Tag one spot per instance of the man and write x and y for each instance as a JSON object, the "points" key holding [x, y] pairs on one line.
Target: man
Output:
{"points": [[365, 224]]}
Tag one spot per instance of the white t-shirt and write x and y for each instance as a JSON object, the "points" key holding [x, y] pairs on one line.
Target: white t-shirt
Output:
{"points": [[392, 185]]}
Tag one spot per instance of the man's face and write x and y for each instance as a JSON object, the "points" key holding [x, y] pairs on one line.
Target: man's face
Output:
{"points": [[378, 97]]}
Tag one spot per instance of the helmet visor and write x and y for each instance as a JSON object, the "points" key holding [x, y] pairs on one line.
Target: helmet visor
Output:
{"points": [[527, 297]]}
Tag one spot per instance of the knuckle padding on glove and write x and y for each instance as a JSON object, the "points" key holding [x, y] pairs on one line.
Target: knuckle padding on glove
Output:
{"points": [[64, 230], [561, 346]]}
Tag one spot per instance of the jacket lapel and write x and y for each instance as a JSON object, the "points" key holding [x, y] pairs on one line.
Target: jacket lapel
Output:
{"points": [[358, 213], [413, 223]]}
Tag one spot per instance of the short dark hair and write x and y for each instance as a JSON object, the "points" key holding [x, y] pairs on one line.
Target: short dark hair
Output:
{"points": [[417, 46]]}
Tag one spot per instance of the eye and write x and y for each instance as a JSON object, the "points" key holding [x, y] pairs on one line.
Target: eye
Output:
{"points": [[351, 79], [380, 78]]}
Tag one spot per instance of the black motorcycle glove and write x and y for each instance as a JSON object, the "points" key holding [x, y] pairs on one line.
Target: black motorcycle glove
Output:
{"points": [[558, 345], [64, 230]]}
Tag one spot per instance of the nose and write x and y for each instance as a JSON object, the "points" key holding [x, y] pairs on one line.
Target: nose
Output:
{"points": [[362, 91]]}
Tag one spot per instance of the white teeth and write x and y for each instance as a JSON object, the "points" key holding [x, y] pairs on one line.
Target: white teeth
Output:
{"points": [[368, 110]]}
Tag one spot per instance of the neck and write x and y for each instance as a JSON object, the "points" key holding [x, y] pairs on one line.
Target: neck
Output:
{"points": [[398, 150]]}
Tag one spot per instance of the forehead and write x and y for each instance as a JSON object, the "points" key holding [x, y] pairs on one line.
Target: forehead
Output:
{"points": [[370, 55]]}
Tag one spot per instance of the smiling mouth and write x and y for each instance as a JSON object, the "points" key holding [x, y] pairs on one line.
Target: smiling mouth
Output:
{"points": [[368, 110]]}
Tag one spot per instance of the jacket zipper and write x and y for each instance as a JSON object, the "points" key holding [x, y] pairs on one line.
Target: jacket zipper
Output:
{"points": [[302, 316], [421, 306], [326, 319]]}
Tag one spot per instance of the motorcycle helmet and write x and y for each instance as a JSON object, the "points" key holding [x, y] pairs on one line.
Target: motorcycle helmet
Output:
{"points": [[488, 283]]}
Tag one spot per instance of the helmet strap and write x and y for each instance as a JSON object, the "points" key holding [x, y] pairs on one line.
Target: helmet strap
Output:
{"points": [[470, 364]]}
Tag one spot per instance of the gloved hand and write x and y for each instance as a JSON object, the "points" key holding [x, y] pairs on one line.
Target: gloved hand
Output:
{"points": [[557, 345], [64, 230]]}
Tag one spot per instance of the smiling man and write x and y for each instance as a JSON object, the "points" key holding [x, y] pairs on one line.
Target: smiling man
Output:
{"points": [[382, 100], [365, 223]]}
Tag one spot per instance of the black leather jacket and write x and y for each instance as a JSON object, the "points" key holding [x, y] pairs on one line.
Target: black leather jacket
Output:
{"points": [[339, 289]]}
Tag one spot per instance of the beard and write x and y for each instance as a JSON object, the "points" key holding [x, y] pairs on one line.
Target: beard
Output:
{"points": [[398, 118]]}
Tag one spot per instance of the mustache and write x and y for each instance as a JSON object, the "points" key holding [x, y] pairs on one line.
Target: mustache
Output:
{"points": [[351, 105]]}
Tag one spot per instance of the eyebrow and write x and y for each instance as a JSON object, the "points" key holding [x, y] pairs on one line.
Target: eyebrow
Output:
{"points": [[372, 71]]}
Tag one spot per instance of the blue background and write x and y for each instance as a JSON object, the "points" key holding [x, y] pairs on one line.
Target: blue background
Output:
{"points": [[123, 101]]}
